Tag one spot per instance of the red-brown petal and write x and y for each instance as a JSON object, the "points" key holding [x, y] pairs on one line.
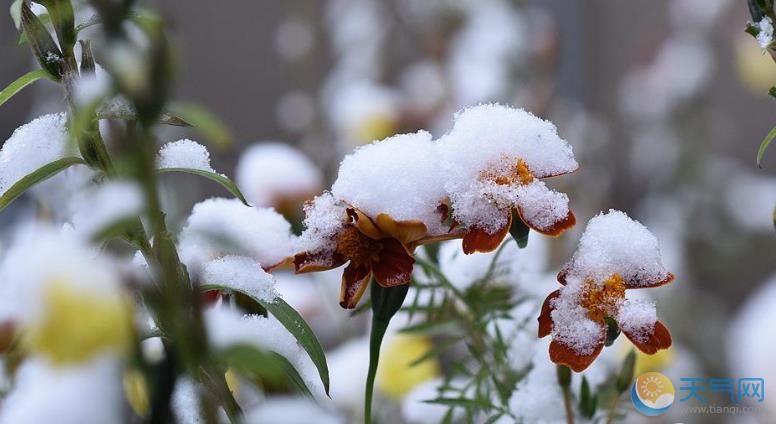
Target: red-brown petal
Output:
{"points": [[306, 262], [566, 355], [659, 339], [555, 229], [355, 279], [636, 284], [479, 240], [564, 271], [393, 266], [545, 317]]}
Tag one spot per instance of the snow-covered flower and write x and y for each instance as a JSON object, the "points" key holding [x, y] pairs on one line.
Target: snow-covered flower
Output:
{"points": [[492, 162], [277, 175], [615, 253], [376, 215], [765, 35], [381, 247]]}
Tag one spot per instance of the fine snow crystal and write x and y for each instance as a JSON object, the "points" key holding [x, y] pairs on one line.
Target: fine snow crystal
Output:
{"points": [[184, 154]]}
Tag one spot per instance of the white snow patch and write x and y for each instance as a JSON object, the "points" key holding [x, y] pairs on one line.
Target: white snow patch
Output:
{"points": [[242, 274], [184, 154], [271, 172], [398, 176]]}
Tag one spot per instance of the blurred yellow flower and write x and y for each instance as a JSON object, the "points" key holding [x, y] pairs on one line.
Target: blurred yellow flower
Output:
{"points": [[375, 127], [136, 391], [395, 376], [78, 324]]}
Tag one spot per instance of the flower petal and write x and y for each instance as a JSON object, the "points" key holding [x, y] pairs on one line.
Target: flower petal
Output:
{"points": [[365, 224], [545, 317], [562, 354], [393, 267], [406, 232], [553, 230], [307, 262], [478, 240], [637, 284], [659, 339], [355, 280]]}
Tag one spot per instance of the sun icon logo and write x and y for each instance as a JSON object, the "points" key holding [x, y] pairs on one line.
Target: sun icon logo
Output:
{"points": [[651, 387], [652, 393]]}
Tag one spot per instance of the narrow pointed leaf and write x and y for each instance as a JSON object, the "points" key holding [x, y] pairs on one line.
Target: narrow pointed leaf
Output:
{"points": [[204, 121], [764, 145], [20, 83], [220, 179], [40, 174], [46, 51], [294, 323]]}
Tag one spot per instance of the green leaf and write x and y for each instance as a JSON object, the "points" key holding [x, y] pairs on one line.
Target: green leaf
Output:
{"points": [[294, 377], [294, 323], [519, 230], [20, 83], [461, 402], [46, 50], [587, 400], [764, 145], [204, 121], [40, 174], [772, 91], [246, 359], [625, 378], [63, 20], [220, 179]]}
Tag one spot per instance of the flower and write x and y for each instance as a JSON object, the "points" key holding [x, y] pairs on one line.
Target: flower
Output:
{"points": [[382, 247], [615, 254], [493, 161], [520, 178]]}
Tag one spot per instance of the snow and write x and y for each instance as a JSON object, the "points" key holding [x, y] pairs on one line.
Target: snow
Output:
{"points": [[291, 410], [749, 353], [91, 87], [88, 393], [541, 206], [324, 217], [184, 154], [99, 207], [765, 36], [490, 139], [571, 324], [240, 273], [613, 243], [269, 173], [637, 318], [383, 177], [416, 410], [219, 227], [37, 143]]}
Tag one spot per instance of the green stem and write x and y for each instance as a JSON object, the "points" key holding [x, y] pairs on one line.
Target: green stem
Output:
{"points": [[612, 409], [567, 405], [375, 341], [386, 301]]}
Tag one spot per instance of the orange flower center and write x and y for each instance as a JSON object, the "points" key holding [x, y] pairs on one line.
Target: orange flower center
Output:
{"points": [[518, 174], [602, 301], [356, 247]]}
